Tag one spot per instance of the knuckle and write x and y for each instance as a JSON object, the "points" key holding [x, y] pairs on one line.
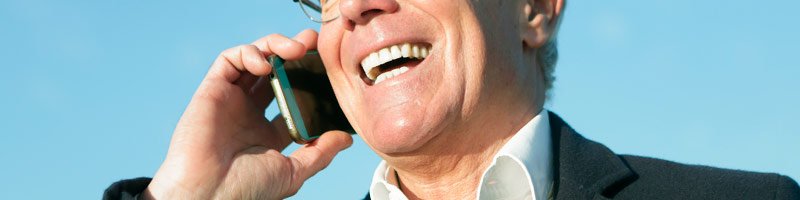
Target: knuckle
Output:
{"points": [[235, 53], [248, 47], [274, 35], [231, 51], [292, 191], [239, 49], [212, 92]]}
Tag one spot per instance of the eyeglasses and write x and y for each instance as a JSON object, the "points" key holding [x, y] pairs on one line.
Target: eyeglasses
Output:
{"points": [[317, 12]]}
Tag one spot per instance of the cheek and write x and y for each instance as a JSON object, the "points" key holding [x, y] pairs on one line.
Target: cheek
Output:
{"points": [[327, 44], [467, 63]]}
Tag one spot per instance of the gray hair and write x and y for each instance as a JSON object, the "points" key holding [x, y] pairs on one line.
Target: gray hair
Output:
{"points": [[547, 55], [546, 58]]}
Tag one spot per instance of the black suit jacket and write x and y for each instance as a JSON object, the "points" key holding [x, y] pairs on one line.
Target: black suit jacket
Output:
{"points": [[589, 170]]}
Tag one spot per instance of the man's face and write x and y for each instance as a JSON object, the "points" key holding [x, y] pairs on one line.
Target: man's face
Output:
{"points": [[475, 63]]}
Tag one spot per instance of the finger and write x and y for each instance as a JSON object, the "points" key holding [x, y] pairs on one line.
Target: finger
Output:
{"points": [[232, 62], [246, 81], [280, 45], [272, 134], [308, 37], [280, 130], [261, 93], [315, 156], [248, 58]]}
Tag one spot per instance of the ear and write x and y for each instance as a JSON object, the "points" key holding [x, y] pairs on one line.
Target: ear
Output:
{"points": [[540, 20]]}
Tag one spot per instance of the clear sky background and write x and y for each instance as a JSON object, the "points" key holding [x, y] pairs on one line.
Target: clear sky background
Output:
{"points": [[92, 89]]}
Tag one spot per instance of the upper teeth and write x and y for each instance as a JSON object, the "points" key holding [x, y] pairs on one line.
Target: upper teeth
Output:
{"points": [[370, 63]]}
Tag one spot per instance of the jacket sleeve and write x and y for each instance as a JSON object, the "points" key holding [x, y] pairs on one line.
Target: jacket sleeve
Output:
{"points": [[129, 189], [787, 189]]}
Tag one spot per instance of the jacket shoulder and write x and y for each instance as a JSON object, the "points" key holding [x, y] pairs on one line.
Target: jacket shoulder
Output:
{"points": [[661, 179]]}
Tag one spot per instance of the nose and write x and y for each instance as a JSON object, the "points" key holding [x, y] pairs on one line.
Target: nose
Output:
{"points": [[362, 11]]}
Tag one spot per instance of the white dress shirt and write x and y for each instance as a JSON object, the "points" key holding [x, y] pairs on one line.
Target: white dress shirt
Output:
{"points": [[522, 169]]}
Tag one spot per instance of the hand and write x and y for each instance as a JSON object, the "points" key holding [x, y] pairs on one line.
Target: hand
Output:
{"points": [[224, 148]]}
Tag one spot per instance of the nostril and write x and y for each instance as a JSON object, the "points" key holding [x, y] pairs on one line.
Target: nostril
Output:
{"points": [[370, 13], [362, 11]]}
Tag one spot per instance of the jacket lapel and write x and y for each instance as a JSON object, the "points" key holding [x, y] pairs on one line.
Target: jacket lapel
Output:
{"points": [[585, 169]]}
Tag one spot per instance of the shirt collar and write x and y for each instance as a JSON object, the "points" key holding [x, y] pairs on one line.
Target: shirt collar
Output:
{"points": [[521, 168]]}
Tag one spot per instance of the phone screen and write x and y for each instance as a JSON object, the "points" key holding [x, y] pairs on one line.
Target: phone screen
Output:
{"points": [[311, 97]]}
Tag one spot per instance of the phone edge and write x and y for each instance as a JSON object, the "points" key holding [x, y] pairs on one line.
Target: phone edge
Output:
{"points": [[286, 103]]}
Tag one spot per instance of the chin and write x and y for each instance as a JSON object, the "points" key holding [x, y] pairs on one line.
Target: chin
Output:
{"points": [[406, 132]]}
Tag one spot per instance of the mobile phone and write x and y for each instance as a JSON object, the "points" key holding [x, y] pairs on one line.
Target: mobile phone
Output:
{"points": [[305, 98]]}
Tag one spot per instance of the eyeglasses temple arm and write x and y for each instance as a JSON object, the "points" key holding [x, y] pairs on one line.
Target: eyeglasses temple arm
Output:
{"points": [[310, 4]]}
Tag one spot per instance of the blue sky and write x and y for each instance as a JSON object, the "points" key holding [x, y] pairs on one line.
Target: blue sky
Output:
{"points": [[92, 89]]}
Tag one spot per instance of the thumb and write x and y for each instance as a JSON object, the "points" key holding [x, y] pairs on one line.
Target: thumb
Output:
{"points": [[315, 156]]}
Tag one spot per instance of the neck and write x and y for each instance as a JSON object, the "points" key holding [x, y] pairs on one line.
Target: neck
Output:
{"points": [[450, 165], [452, 169]]}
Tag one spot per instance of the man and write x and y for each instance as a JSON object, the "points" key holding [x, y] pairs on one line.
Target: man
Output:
{"points": [[461, 118]]}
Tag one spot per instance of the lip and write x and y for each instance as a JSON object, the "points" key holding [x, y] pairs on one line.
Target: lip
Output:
{"points": [[382, 33], [362, 53], [402, 88], [411, 65]]}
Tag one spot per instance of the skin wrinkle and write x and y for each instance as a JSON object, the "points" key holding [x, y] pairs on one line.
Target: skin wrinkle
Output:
{"points": [[462, 164], [426, 117], [481, 87], [440, 123]]}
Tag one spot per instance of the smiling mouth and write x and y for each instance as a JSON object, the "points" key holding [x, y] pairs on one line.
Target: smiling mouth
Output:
{"points": [[391, 61]]}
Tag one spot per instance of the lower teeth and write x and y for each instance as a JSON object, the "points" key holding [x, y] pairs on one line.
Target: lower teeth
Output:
{"points": [[390, 74]]}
